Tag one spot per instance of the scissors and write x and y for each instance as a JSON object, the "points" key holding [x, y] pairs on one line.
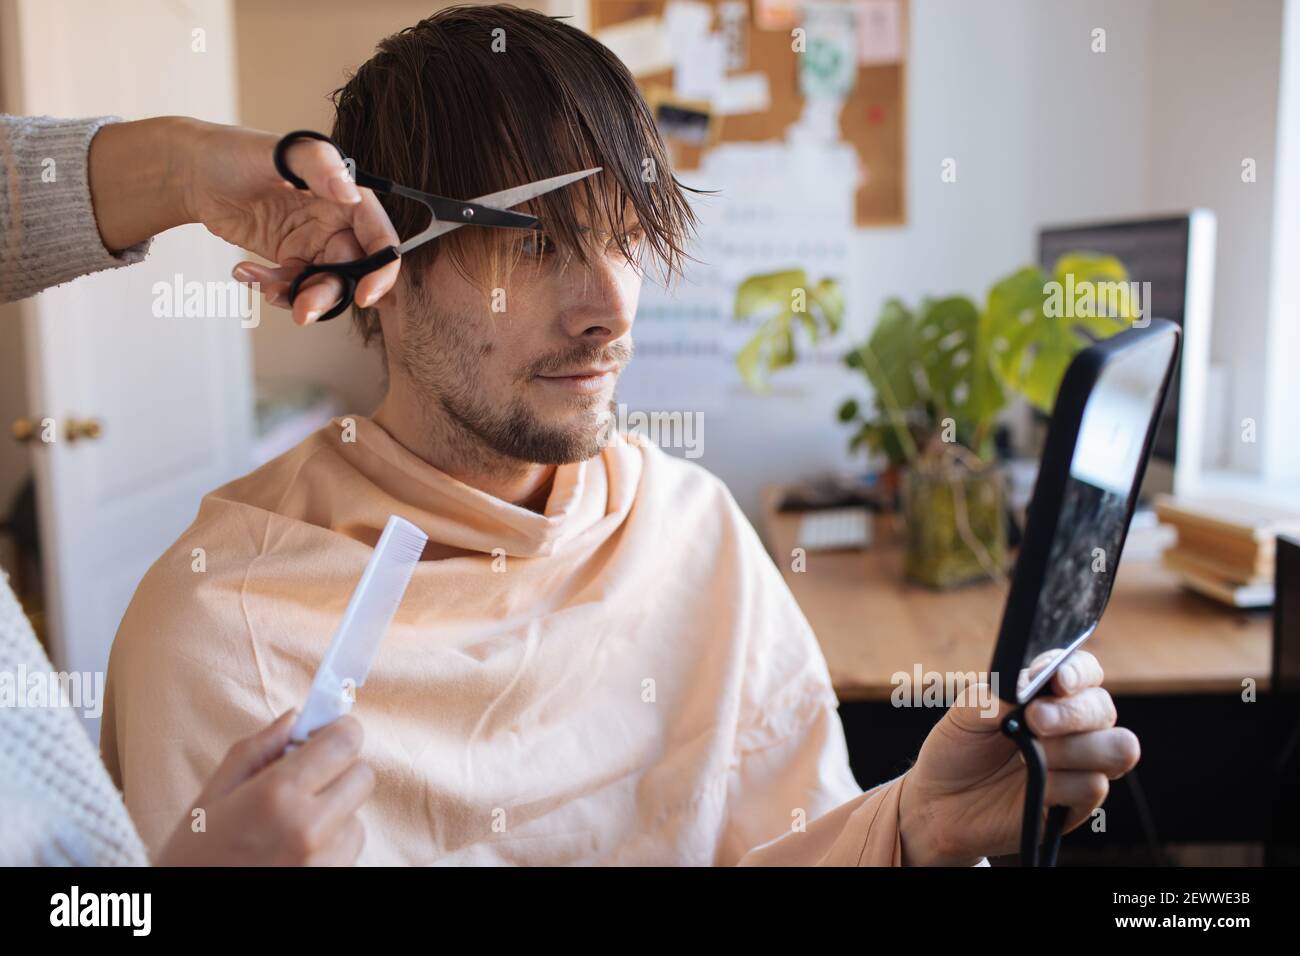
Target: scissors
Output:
{"points": [[448, 214]]}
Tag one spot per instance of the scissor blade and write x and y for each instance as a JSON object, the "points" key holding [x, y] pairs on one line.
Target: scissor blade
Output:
{"points": [[509, 198], [500, 201]]}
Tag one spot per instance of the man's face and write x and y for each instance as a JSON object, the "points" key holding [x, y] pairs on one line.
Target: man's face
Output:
{"points": [[526, 370]]}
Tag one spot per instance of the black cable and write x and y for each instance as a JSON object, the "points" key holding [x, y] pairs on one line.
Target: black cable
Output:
{"points": [[1032, 853], [1047, 853]]}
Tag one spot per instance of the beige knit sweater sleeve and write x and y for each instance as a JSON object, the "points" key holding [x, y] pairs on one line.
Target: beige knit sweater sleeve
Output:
{"points": [[57, 803], [48, 233]]}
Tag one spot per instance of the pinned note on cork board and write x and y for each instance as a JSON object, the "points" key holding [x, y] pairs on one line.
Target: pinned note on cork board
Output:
{"points": [[740, 71]]}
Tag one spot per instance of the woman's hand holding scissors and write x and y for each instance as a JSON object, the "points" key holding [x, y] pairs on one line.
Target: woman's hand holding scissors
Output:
{"points": [[151, 175]]}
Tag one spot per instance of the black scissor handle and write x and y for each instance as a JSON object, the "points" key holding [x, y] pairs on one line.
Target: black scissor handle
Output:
{"points": [[349, 273], [282, 151], [281, 156]]}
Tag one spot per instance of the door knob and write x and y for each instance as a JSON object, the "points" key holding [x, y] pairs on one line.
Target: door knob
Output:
{"points": [[78, 428], [28, 430]]}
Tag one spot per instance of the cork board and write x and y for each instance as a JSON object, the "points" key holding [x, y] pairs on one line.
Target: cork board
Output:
{"points": [[873, 119]]}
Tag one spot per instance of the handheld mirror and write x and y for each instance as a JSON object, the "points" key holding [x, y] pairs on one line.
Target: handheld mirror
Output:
{"points": [[1098, 444]]}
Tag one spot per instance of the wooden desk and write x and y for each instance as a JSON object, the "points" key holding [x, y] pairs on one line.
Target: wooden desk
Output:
{"points": [[1154, 639]]}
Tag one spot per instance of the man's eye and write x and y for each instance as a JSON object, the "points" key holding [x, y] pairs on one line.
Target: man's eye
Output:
{"points": [[633, 241], [537, 245], [637, 245]]}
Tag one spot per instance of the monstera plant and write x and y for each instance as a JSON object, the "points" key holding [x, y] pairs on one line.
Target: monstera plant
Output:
{"points": [[941, 374], [785, 307]]}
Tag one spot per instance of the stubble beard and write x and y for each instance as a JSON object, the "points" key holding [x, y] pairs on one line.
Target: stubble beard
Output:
{"points": [[437, 356]]}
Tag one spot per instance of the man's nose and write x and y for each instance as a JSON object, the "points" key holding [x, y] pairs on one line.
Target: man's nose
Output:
{"points": [[602, 299]]}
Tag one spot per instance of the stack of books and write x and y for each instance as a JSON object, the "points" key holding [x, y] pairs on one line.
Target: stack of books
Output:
{"points": [[1226, 548]]}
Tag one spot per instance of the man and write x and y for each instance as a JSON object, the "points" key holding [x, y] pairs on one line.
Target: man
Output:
{"points": [[596, 661]]}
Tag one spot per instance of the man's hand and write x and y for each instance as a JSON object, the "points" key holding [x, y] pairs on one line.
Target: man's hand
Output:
{"points": [[964, 797], [151, 175], [264, 809]]}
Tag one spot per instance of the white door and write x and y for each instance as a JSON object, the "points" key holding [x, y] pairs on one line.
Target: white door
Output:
{"points": [[172, 395]]}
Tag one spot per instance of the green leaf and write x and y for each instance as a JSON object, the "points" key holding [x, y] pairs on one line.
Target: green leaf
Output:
{"points": [[829, 299], [1014, 305], [1026, 345], [782, 347], [1032, 332], [848, 410], [1115, 306], [769, 293], [773, 297], [748, 362], [885, 438], [889, 360], [894, 350], [957, 365], [1044, 375], [1089, 267]]}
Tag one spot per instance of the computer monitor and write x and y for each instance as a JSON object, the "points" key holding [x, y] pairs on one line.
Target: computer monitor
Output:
{"points": [[1175, 254]]}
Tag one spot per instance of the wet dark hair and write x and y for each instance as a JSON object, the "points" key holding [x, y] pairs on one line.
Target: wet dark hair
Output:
{"points": [[474, 99]]}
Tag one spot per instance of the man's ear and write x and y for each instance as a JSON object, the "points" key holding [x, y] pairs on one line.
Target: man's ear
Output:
{"points": [[380, 329], [368, 323], [388, 312]]}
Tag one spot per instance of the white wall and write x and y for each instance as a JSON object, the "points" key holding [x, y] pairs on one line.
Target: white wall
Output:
{"points": [[1212, 83], [1281, 458]]}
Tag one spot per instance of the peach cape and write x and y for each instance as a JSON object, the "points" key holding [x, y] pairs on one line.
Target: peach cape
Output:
{"points": [[625, 679]]}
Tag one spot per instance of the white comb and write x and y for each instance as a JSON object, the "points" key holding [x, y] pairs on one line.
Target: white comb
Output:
{"points": [[369, 612]]}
